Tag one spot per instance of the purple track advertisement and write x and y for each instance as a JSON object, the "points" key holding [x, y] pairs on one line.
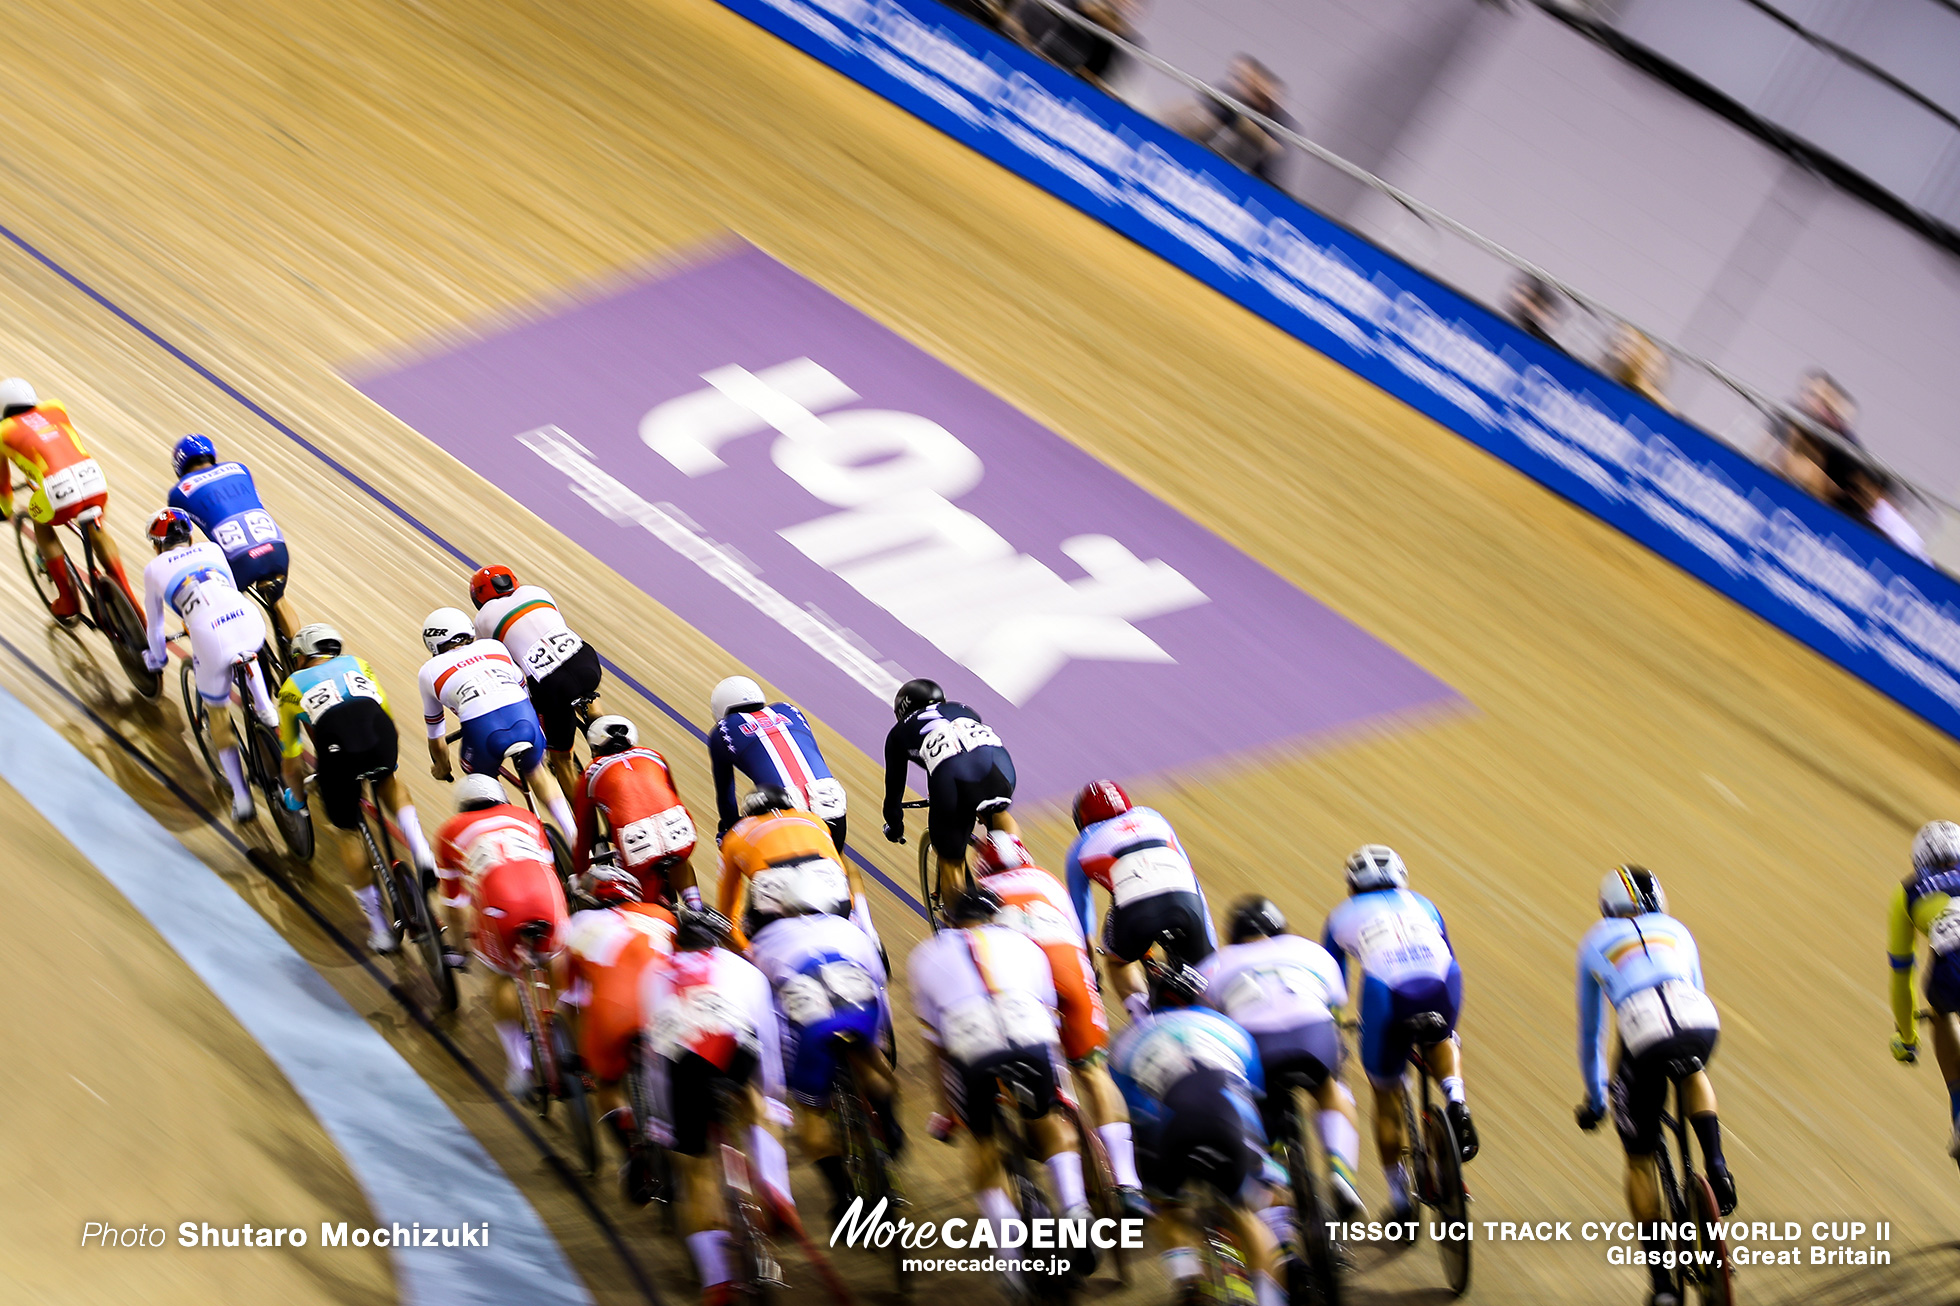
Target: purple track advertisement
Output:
{"points": [[841, 512]]}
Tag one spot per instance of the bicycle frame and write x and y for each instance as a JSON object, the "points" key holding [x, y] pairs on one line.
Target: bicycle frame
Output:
{"points": [[1691, 1201]]}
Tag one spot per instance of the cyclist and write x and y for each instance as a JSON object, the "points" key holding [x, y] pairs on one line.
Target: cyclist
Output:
{"points": [[1929, 903], [563, 669], [714, 1028], [969, 775], [222, 499], [477, 680], [1190, 1076], [336, 696], [985, 1000], [1283, 990], [1033, 903], [608, 949], [497, 877], [633, 789], [39, 439], [771, 744], [1644, 963], [829, 982], [1153, 893], [778, 861], [1408, 969], [194, 581]]}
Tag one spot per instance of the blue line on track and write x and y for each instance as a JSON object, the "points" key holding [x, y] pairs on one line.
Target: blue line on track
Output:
{"points": [[347, 473]]}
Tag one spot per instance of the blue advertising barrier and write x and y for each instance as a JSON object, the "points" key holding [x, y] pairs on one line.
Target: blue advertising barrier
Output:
{"points": [[1848, 593]]}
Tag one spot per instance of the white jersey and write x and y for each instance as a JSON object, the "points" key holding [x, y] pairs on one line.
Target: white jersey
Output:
{"points": [[527, 623], [695, 999], [1135, 856], [1270, 986], [817, 962], [470, 681], [983, 991], [196, 583]]}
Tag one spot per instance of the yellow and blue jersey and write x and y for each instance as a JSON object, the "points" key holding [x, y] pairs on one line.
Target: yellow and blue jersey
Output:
{"points": [[311, 692], [1928, 904]]}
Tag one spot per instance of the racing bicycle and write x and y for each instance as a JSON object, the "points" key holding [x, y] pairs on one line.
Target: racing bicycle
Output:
{"points": [[105, 606], [258, 748], [1702, 1259], [512, 773], [1434, 1158], [1098, 1175], [1017, 1099], [863, 1134], [1317, 1264], [404, 896], [556, 1072]]}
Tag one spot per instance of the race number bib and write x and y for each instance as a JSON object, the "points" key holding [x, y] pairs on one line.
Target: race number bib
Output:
{"points": [[1172, 1054], [335, 690], [810, 888], [1148, 872], [661, 835], [985, 1025], [237, 534], [697, 1014], [1284, 986], [804, 1000], [1391, 941], [191, 595], [825, 799], [549, 653], [1041, 920], [500, 847], [1945, 932], [1652, 1015], [951, 738], [75, 482]]}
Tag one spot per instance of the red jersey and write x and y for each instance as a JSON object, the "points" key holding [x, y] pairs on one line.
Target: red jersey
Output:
{"points": [[634, 790], [496, 860], [609, 950]]}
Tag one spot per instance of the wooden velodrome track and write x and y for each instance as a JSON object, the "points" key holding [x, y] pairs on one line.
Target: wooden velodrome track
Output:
{"points": [[286, 189]]}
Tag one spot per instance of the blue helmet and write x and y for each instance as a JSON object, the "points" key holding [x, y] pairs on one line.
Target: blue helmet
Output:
{"points": [[189, 448]]}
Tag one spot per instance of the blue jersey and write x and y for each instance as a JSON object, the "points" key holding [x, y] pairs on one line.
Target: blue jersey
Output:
{"points": [[1393, 934], [771, 746], [1155, 1053], [225, 504], [1635, 963]]}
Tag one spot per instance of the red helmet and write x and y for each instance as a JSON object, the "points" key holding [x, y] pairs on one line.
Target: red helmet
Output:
{"points": [[999, 851], [612, 886], [491, 583], [169, 528], [1099, 800]]}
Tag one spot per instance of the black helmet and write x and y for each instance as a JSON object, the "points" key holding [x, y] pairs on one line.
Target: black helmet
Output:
{"points": [[698, 931], [1175, 984], [768, 798], [1255, 914], [915, 694], [972, 905]]}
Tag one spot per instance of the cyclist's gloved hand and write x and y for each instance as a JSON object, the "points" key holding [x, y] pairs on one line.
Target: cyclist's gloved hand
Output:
{"points": [[154, 662], [295, 801], [1589, 1116], [894, 833], [1904, 1051]]}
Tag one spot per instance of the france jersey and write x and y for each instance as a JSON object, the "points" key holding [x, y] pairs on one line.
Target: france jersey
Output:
{"points": [[225, 504], [772, 746], [1649, 969]]}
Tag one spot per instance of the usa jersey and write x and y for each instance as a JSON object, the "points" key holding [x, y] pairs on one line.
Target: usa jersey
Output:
{"points": [[1649, 969], [1394, 934], [1135, 855], [1155, 1053], [771, 746], [225, 504]]}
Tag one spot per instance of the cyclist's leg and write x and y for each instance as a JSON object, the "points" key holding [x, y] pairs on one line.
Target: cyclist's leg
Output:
{"points": [[68, 593], [1698, 1103], [1637, 1092], [395, 799], [105, 548], [1053, 1139], [539, 778], [211, 663], [340, 760], [949, 823], [1384, 1056], [509, 1024]]}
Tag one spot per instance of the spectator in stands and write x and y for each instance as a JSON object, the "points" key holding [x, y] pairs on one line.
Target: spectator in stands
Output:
{"points": [[1638, 364], [1072, 47], [1869, 493], [1536, 308], [991, 13], [1214, 124], [1819, 466]]}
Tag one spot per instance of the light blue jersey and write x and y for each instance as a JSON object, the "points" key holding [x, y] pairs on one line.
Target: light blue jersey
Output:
{"points": [[1155, 1053], [1394, 934], [1649, 969]]}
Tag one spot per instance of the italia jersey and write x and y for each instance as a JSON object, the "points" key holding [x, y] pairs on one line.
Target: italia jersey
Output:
{"points": [[225, 504], [771, 746], [527, 623]]}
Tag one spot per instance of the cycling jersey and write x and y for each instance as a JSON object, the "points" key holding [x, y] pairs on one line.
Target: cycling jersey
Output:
{"points": [[311, 693], [495, 860], [607, 952], [968, 771], [982, 992], [225, 504], [771, 746], [788, 865], [830, 986], [527, 624], [1929, 904], [42, 442], [1408, 971], [1035, 905], [1269, 986], [1154, 1054], [1134, 856], [195, 582], [1649, 969], [471, 680], [1190, 1076], [714, 1005], [634, 791]]}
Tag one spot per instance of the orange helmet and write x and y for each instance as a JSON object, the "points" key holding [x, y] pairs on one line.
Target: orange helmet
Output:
{"points": [[491, 583]]}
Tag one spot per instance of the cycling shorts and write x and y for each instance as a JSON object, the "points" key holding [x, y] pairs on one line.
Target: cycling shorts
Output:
{"points": [[1943, 982], [53, 502], [1129, 930], [960, 789], [1638, 1090], [608, 1022], [974, 1091], [1085, 1025], [691, 1084], [486, 737], [1385, 1041], [1206, 1135], [263, 565], [507, 898], [352, 738], [1309, 1054], [220, 639], [813, 1052], [554, 696]]}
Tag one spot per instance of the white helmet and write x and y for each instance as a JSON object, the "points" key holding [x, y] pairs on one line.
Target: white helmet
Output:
{"points": [[1631, 891], [478, 791], [444, 625], [316, 640], [15, 393], [610, 734], [1936, 844], [734, 692], [1376, 866]]}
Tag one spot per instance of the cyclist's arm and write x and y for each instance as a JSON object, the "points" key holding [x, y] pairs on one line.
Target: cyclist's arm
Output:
{"points": [[1079, 889], [897, 759], [722, 759], [153, 610], [1334, 950], [290, 715], [584, 808], [1899, 947], [1592, 1028]]}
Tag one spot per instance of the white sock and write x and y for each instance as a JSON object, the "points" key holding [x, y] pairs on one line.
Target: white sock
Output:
{"points": [[517, 1048], [1341, 1139], [1453, 1088], [1122, 1154], [1398, 1184], [1270, 1293], [370, 899], [771, 1162], [234, 768], [1180, 1263], [995, 1205], [561, 815], [1065, 1168], [418, 843], [709, 1248]]}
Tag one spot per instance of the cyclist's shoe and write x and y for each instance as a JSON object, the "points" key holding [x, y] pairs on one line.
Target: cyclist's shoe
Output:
{"points": [[1399, 1213], [1723, 1183], [242, 807], [1664, 1299], [1191, 1292], [1466, 1132], [455, 960], [1082, 1260], [1347, 1202], [67, 600], [640, 1178], [382, 942], [1133, 1204], [519, 1085]]}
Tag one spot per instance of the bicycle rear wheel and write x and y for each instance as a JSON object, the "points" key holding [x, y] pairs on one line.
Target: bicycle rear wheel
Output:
{"points": [[544, 1068], [1318, 1267], [419, 926], [1452, 1202], [1712, 1283], [1099, 1178], [578, 1103], [867, 1160], [127, 632]]}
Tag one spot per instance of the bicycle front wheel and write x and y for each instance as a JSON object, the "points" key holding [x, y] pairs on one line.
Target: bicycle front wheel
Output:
{"points": [[1452, 1202], [126, 631], [295, 828], [200, 723], [37, 568], [419, 927], [1316, 1264], [929, 881], [1710, 1274]]}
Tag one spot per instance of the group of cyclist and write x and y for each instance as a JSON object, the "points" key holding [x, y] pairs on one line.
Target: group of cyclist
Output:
{"points": [[745, 1014]]}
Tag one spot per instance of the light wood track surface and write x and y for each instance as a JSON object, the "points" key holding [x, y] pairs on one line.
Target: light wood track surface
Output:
{"points": [[292, 189]]}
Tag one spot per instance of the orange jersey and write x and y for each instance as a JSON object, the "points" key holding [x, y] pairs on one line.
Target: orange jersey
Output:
{"points": [[780, 847], [609, 951], [496, 860], [43, 444], [634, 791], [1035, 904]]}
